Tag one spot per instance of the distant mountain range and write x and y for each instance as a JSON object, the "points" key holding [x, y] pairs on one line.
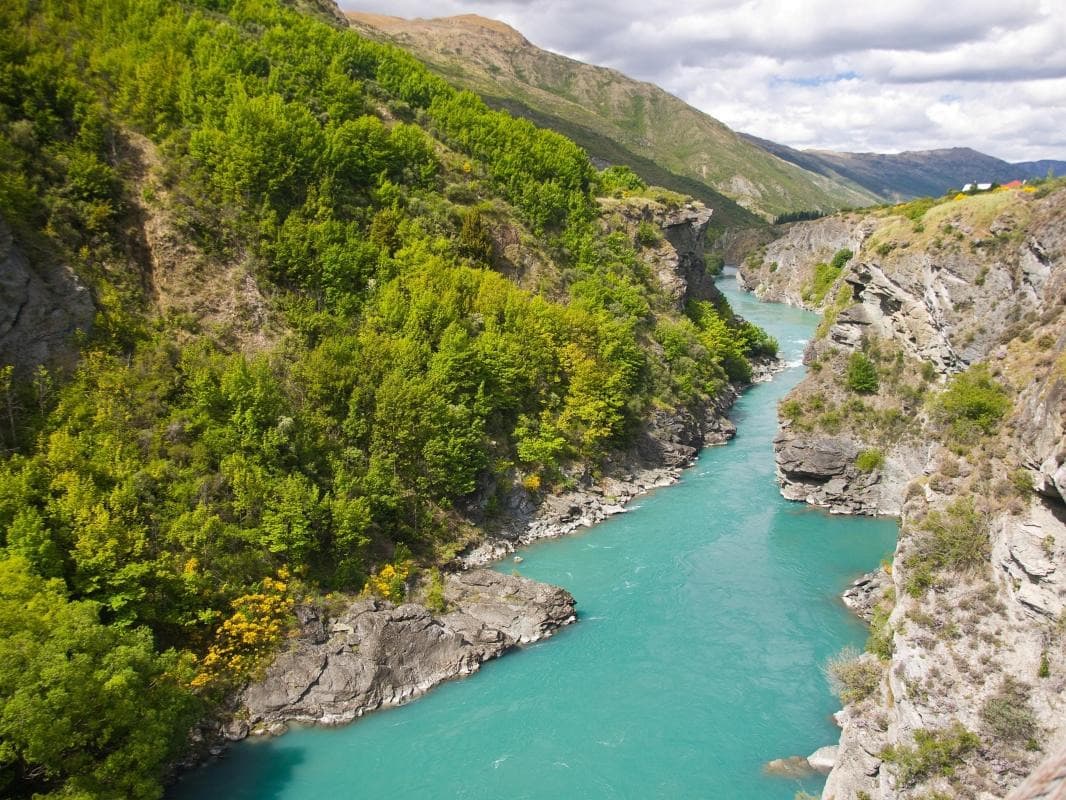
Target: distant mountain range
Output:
{"points": [[918, 173], [615, 118], [619, 120]]}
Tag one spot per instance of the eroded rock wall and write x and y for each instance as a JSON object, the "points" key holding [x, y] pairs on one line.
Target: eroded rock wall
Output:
{"points": [[42, 307], [983, 280]]}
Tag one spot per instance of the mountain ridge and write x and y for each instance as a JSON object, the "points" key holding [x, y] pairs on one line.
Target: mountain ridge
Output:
{"points": [[912, 173], [642, 120]]}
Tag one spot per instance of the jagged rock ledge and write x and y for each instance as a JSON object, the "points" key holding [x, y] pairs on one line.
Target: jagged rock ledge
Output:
{"points": [[376, 655]]}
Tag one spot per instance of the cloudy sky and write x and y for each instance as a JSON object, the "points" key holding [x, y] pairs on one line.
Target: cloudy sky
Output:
{"points": [[836, 74]]}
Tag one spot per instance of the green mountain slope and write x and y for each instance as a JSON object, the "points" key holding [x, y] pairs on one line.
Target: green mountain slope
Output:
{"points": [[632, 121]]}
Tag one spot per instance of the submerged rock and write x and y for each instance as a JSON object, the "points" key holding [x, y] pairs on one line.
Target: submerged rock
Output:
{"points": [[791, 767], [376, 655]]}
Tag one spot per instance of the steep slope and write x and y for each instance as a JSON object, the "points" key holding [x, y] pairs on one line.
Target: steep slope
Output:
{"points": [[285, 319], [615, 117], [935, 393], [921, 173]]}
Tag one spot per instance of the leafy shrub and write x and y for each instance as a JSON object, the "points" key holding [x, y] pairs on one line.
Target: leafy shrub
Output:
{"points": [[915, 209], [880, 642], [869, 460], [390, 582], [825, 275], [954, 539], [934, 753], [791, 410], [617, 180], [648, 234], [435, 592], [1022, 481], [853, 676], [840, 258], [972, 403], [861, 376]]}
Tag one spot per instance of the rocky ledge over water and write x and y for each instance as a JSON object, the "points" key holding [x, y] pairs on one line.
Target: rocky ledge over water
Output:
{"points": [[374, 654]]}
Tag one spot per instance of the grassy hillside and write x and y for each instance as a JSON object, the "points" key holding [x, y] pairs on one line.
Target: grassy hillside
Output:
{"points": [[334, 298], [640, 119]]}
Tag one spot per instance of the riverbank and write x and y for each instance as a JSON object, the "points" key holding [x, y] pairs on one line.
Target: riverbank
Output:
{"points": [[670, 444]]}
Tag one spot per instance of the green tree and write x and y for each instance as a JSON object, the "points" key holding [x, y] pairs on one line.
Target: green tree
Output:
{"points": [[861, 375], [87, 709]]}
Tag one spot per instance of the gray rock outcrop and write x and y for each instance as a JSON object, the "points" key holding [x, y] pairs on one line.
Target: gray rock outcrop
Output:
{"points": [[375, 655], [41, 308], [686, 231]]}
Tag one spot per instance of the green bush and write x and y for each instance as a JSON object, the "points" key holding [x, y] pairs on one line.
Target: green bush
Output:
{"points": [[880, 642], [934, 753], [915, 209], [618, 180], [825, 275], [435, 592], [648, 234], [1008, 715], [972, 403], [840, 258], [853, 677], [861, 376], [869, 460], [792, 410], [953, 539], [1022, 481]]}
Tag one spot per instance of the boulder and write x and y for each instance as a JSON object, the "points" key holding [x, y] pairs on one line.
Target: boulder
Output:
{"points": [[791, 767], [824, 758]]}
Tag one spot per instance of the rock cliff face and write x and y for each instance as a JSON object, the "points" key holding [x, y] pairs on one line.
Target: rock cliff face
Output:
{"points": [[677, 259], [784, 267], [981, 280], [41, 308], [375, 655]]}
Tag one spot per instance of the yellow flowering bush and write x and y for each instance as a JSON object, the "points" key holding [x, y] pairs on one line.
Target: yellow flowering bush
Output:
{"points": [[389, 582], [245, 640]]}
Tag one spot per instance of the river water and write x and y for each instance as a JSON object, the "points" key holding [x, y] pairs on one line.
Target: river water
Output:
{"points": [[707, 614]]}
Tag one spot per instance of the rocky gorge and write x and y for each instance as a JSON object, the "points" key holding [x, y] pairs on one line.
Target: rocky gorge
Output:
{"points": [[363, 654], [963, 690]]}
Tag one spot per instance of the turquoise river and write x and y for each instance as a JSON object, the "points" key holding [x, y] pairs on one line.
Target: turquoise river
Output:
{"points": [[706, 616]]}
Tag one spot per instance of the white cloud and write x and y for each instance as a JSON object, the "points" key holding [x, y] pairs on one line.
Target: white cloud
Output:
{"points": [[833, 74]]}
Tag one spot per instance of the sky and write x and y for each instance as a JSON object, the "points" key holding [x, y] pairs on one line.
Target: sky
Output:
{"points": [[832, 74]]}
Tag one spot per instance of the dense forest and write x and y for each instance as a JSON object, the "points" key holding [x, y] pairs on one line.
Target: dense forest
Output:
{"points": [[165, 502]]}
